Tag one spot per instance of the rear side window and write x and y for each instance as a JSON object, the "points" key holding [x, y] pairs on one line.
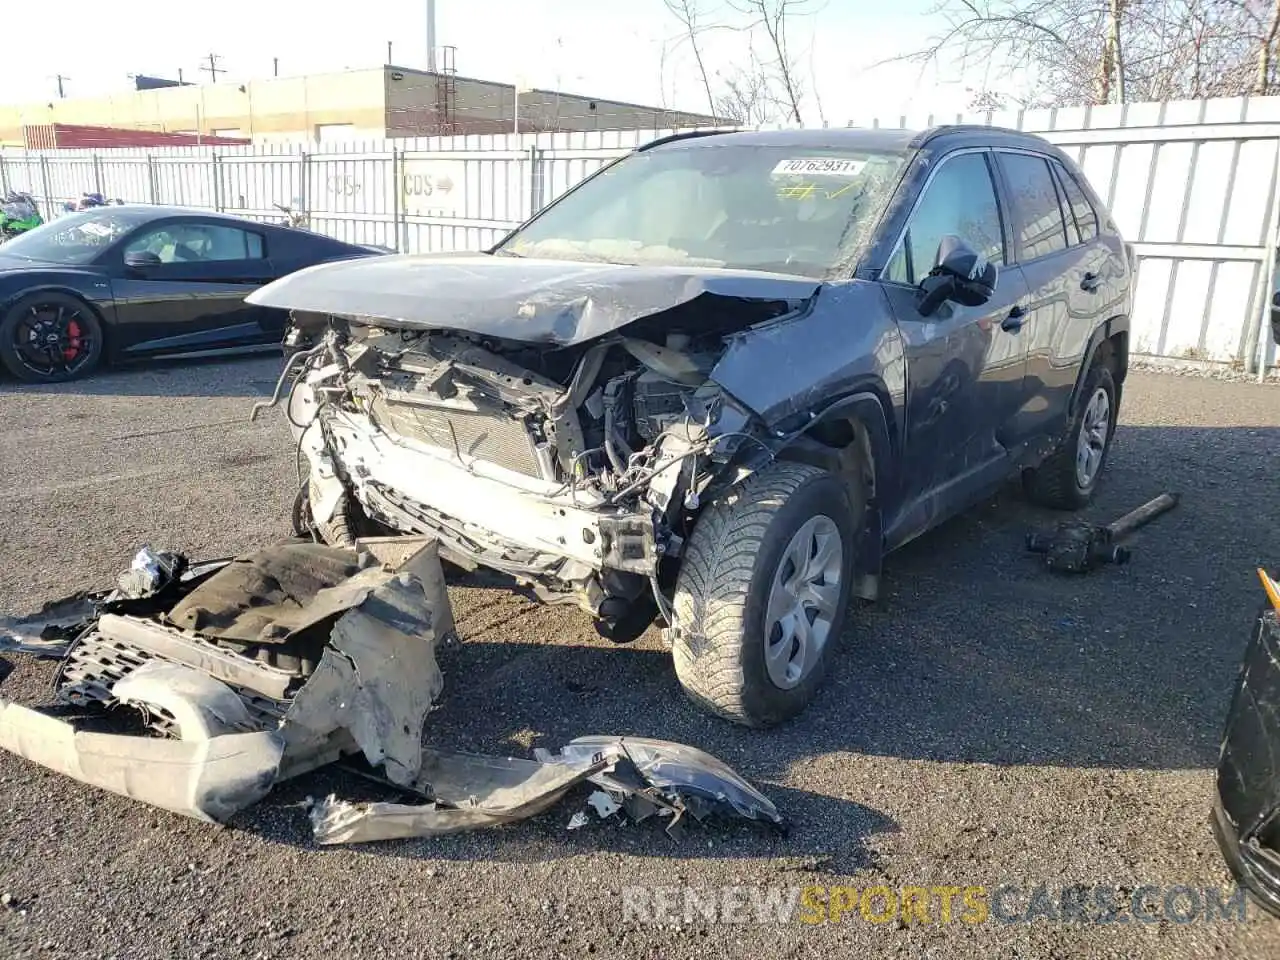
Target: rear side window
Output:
{"points": [[1042, 230], [1085, 216]]}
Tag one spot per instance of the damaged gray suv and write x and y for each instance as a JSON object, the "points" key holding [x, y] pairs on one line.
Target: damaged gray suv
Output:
{"points": [[719, 380]]}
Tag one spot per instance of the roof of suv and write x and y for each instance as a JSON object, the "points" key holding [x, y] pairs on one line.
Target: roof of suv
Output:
{"points": [[854, 138]]}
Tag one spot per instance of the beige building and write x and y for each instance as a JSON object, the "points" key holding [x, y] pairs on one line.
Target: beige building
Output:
{"points": [[352, 105]]}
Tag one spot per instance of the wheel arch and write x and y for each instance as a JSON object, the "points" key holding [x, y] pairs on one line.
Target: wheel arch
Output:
{"points": [[1109, 341], [66, 290], [12, 300], [854, 439]]}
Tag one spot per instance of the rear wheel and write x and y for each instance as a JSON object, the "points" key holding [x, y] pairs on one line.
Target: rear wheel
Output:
{"points": [[763, 593], [50, 338], [1067, 479]]}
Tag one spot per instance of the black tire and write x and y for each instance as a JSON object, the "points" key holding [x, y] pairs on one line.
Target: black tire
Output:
{"points": [[722, 591], [1055, 482], [86, 337]]}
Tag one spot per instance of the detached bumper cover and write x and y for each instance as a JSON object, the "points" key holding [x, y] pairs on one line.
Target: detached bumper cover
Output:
{"points": [[374, 683], [381, 612], [209, 779]]}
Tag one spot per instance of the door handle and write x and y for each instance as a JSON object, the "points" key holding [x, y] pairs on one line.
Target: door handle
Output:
{"points": [[1014, 321], [1089, 282]]}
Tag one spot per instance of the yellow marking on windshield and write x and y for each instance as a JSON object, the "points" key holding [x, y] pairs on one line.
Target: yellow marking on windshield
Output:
{"points": [[804, 191], [799, 191]]}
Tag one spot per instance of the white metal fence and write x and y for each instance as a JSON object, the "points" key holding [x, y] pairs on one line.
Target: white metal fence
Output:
{"points": [[1194, 185]]}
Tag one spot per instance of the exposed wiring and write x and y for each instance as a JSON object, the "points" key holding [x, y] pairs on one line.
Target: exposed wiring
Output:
{"points": [[694, 451], [664, 608], [284, 374], [747, 436]]}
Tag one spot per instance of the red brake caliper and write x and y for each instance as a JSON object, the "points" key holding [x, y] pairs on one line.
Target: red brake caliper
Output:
{"points": [[73, 342]]}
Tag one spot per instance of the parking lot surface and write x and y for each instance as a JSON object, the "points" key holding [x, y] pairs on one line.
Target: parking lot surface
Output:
{"points": [[987, 724]]}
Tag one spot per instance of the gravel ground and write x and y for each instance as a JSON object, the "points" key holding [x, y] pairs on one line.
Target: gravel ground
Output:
{"points": [[987, 724]]}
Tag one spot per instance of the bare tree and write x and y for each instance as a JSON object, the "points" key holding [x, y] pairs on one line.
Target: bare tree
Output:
{"points": [[1112, 54], [768, 87], [1266, 58], [985, 101], [1103, 51], [745, 100], [772, 17], [693, 25], [748, 97], [813, 79], [982, 100]]}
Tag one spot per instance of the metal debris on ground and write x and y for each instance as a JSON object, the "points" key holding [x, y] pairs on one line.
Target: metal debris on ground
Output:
{"points": [[647, 777], [49, 631], [149, 572], [198, 688], [603, 804], [638, 775], [1077, 546]]}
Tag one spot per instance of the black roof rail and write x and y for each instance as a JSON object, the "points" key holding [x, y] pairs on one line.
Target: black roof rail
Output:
{"points": [[686, 135], [944, 128]]}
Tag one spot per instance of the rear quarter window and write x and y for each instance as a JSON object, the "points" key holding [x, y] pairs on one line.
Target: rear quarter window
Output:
{"points": [[1042, 228], [1081, 209]]}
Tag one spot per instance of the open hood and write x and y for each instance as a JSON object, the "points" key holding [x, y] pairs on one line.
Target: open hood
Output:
{"points": [[561, 302]]}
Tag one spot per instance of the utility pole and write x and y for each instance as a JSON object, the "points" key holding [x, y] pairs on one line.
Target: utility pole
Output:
{"points": [[61, 94], [213, 69], [431, 36], [389, 60], [275, 66]]}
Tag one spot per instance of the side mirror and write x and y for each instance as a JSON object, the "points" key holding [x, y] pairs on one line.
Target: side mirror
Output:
{"points": [[960, 274], [141, 259]]}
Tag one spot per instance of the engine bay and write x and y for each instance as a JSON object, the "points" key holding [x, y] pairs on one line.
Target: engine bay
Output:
{"points": [[578, 469], [603, 417]]}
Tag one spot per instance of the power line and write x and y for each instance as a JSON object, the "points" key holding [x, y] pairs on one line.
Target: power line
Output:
{"points": [[213, 69]]}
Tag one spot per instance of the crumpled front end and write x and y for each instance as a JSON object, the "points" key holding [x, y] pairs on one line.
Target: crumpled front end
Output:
{"points": [[577, 469]]}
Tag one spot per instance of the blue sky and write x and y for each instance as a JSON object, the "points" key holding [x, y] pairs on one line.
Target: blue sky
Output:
{"points": [[605, 48]]}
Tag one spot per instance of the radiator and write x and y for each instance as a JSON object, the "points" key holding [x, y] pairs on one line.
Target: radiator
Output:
{"points": [[493, 438]]}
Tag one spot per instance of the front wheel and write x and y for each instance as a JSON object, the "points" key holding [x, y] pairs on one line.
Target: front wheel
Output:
{"points": [[50, 338], [763, 593]]}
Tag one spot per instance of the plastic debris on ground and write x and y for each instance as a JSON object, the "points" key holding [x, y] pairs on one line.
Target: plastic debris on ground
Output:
{"points": [[257, 669]]}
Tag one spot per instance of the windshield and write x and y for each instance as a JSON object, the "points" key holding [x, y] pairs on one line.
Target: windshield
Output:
{"points": [[783, 209], [75, 238]]}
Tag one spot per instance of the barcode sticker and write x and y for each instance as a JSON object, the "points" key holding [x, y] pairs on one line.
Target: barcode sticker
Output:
{"points": [[819, 167]]}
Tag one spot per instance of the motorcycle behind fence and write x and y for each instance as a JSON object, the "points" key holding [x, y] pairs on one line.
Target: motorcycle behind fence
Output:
{"points": [[18, 214]]}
